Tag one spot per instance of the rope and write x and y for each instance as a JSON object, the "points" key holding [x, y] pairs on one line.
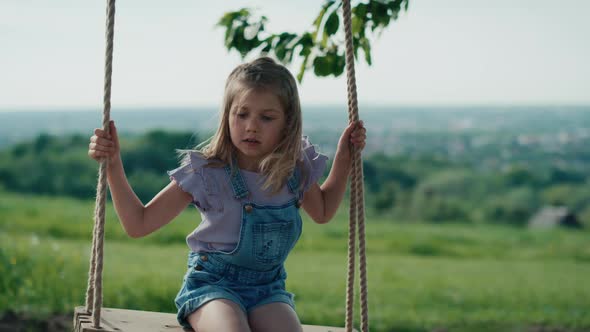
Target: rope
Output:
{"points": [[357, 209], [94, 289]]}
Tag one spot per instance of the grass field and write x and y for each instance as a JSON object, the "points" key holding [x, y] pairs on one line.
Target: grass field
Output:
{"points": [[422, 277]]}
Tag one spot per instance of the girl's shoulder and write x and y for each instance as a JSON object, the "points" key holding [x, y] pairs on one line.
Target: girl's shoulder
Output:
{"points": [[313, 163], [197, 169], [197, 175], [201, 178], [310, 151], [193, 161]]}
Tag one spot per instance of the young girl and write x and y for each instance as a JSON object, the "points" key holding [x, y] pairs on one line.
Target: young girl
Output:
{"points": [[248, 183]]}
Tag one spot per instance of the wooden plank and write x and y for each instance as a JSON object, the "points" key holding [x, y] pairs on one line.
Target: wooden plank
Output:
{"points": [[125, 320]]}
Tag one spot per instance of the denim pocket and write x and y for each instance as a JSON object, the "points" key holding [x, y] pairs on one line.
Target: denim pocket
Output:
{"points": [[197, 277], [272, 241]]}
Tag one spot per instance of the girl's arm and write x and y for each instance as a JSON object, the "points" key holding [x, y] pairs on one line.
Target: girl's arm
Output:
{"points": [[322, 202], [137, 220]]}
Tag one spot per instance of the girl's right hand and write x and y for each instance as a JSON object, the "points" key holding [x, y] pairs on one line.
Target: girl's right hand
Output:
{"points": [[103, 145]]}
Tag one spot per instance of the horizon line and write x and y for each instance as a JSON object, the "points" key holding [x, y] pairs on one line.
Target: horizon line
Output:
{"points": [[132, 108]]}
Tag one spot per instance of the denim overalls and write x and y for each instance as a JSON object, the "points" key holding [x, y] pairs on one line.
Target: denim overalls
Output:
{"points": [[253, 273]]}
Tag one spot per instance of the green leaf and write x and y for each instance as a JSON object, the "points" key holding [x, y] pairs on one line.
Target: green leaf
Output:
{"points": [[228, 18], [379, 14], [229, 36], [318, 20], [322, 65], [360, 11], [366, 46], [238, 40], [234, 23], [306, 43], [329, 64], [338, 65], [268, 47], [355, 46], [357, 25], [283, 49], [225, 21], [332, 24]]}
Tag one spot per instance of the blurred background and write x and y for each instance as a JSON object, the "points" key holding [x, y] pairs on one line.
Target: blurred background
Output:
{"points": [[476, 167]]}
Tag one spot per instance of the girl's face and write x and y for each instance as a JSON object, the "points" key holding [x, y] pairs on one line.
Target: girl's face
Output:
{"points": [[256, 126]]}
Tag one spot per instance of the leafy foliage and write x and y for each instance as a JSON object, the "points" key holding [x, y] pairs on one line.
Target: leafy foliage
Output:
{"points": [[408, 186], [60, 165], [320, 48]]}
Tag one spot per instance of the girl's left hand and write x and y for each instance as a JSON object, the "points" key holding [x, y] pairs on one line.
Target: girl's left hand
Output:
{"points": [[354, 135]]}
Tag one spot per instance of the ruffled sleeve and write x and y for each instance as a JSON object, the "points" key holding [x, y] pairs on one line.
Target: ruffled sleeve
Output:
{"points": [[314, 163], [189, 176]]}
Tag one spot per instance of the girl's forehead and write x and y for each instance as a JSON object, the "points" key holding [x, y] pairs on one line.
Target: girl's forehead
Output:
{"points": [[263, 99]]}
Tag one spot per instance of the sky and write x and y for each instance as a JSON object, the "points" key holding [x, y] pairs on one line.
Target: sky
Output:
{"points": [[170, 54]]}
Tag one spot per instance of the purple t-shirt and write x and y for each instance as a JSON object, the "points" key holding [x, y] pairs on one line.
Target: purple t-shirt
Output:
{"points": [[221, 213]]}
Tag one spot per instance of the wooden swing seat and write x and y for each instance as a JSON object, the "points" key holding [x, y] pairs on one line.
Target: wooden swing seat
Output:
{"points": [[123, 320]]}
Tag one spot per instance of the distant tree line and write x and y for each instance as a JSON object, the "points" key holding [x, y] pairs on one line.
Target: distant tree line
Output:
{"points": [[404, 187]]}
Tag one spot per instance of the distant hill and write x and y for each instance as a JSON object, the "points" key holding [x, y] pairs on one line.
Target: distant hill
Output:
{"points": [[383, 121]]}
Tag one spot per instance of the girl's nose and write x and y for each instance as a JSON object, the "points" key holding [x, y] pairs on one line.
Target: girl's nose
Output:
{"points": [[251, 126]]}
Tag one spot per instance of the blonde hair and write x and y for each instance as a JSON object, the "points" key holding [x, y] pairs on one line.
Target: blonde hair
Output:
{"points": [[266, 75]]}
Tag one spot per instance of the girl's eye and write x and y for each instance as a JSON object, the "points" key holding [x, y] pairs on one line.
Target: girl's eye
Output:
{"points": [[242, 115], [267, 118]]}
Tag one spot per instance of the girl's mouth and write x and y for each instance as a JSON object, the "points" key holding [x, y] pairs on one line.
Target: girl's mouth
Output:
{"points": [[251, 142]]}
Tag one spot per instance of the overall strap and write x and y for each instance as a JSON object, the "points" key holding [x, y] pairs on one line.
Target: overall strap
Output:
{"points": [[237, 181], [294, 183]]}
